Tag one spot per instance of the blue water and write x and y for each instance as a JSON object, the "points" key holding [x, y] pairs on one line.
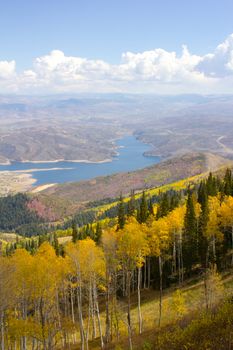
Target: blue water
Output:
{"points": [[130, 158]]}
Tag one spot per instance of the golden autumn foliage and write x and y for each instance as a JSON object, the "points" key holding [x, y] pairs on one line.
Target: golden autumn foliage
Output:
{"points": [[49, 301]]}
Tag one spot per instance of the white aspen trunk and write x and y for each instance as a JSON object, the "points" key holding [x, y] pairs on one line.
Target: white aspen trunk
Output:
{"points": [[128, 310], [81, 329], [72, 304], [107, 320], [160, 288], [24, 314], [98, 316], [89, 315], [58, 309], [65, 302], [139, 301], [115, 306], [93, 316]]}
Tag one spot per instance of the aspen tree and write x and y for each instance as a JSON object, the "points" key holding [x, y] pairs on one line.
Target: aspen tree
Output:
{"points": [[226, 218], [175, 220], [213, 233], [132, 249], [109, 244], [159, 243]]}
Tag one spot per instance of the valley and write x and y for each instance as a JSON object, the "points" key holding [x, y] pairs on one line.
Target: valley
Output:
{"points": [[86, 127], [116, 229]]}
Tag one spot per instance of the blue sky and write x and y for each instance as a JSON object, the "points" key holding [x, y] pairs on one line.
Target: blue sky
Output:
{"points": [[104, 29], [101, 29]]}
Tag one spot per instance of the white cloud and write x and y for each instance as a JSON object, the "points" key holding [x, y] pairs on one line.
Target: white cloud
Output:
{"points": [[7, 69], [157, 71], [220, 63]]}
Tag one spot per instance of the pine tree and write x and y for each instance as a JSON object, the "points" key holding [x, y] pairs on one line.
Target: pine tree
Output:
{"points": [[74, 232], [150, 207], [131, 207], [202, 225], [143, 210], [174, 201], [56, 244], [190, 233], [211, 185], [121, 213], [202, 193], [98, 232], [228, 183], [163, 207]]}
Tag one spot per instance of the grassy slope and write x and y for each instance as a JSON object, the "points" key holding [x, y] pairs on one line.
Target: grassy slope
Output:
{"points": [[67, 198], [193, 293]]}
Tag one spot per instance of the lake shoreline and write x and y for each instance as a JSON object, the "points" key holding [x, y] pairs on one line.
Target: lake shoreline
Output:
{"points": [[86, 161], [130, 155]]}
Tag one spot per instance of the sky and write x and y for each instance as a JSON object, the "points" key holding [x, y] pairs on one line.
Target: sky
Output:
{"points": [[138, 46]]}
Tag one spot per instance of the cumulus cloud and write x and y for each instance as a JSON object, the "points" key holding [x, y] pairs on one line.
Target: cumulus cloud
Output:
{"points": [[220, 63], [157, 71], [7, 69]]}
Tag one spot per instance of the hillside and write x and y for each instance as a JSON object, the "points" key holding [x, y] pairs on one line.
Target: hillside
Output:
{"points": [[84, 127], [67, 198], [86, 201], [156, 277]]}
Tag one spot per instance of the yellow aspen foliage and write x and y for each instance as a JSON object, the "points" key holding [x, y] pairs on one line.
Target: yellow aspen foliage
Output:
{"points": [[226, 211], [175, 219], [213, 225], [132, 244], [158, 235], [86, 258], [178, 304], [214, 288]]}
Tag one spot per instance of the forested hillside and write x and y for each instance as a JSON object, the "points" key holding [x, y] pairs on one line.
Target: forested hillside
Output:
{"points": [[65, 199], [15, 212], [158, 275], [87, 201]]}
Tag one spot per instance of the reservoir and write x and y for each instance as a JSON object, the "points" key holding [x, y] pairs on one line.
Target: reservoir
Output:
{"points": [[130, 158]]}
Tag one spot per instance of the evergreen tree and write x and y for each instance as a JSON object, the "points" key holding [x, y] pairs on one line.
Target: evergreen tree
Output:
{"points": [[163, 207], [121, 213], [150, 207], [143, 209], [202, 226], [74, 232], [33, 246], [131, 207], [228, 183], [190, 233], [201, 193], [56, 244], [211, 185], [174, 201], [98, 232]]}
